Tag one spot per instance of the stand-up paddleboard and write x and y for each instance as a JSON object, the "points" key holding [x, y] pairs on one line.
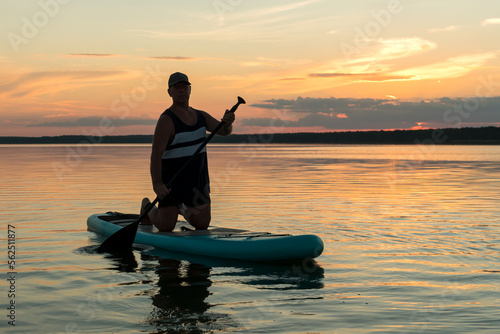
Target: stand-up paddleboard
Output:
{"points": [[215, 241]]}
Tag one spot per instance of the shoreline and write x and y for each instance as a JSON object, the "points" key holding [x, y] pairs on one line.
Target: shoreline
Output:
{"points": [[447, 136]]}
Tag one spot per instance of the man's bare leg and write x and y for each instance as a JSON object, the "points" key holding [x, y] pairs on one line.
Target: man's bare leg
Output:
{"points": [[167, 218], [163, 218], [152, 214], [199, 216]]}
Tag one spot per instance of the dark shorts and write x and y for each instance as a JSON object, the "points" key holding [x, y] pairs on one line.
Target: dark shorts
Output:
{"points": [[193, 201]]}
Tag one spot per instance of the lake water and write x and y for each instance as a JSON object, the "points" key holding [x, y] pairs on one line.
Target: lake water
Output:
{"points": [[411, 235]]}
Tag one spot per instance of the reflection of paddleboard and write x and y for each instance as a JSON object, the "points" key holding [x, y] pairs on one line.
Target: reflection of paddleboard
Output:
{"points": [[216, 241]]}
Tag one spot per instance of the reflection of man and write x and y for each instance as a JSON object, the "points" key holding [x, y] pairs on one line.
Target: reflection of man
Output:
{"points": [[181, 303], [181, 296], [179, 132]]}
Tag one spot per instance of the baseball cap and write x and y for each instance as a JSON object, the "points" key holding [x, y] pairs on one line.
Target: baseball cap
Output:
{"points": [[177, 77]]}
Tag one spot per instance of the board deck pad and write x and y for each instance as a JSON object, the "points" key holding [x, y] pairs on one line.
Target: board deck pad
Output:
{"points": [[183, 228]]}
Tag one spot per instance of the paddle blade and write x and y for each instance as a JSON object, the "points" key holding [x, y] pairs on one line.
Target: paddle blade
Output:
{"points": [[121, 240]]}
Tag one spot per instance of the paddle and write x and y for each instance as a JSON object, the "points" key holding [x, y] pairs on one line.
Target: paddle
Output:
{"points": [[124, 238]]}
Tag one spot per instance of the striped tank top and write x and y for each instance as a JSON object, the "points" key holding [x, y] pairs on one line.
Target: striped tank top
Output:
{"points": [[187, 139]]}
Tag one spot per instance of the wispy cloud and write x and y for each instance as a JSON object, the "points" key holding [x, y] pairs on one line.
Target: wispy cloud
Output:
{"points": [[388, 49], [96, 121], [384, 61], [109, 55], [490, 21], [91, 55], [265, 61], [373, 62], [292, 79], [263, 24], [172, 58], [279, 9], [448, 28], [362, 76], [50, 82], [449, 68]]}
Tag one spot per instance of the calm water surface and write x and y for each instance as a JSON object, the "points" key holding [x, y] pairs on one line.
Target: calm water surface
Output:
{"points": [[411, 234]]}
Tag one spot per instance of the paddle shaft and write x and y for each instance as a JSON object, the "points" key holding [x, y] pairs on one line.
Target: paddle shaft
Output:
{"points": [[124, 237]]}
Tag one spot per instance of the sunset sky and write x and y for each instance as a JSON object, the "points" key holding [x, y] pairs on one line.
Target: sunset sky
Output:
{"points": [[101, 67]]}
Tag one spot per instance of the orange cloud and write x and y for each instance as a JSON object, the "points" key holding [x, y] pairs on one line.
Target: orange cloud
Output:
{"points": [[362, 76], [172, 58], [50, 82], [92, 55]]}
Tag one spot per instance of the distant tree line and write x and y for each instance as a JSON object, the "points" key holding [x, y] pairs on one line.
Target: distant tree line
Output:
{"points": [[75, 139], [479, 136], [484, 135]]}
